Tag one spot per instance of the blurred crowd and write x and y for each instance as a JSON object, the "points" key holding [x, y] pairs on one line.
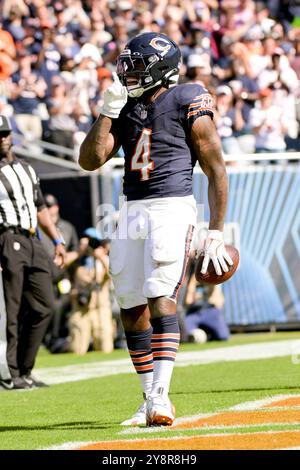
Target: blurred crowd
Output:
{"points": [[57, 58]]}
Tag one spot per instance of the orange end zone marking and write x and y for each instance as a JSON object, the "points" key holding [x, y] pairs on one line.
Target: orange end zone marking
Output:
{"points": [[291, 401], [254, 441], [243, 418]]}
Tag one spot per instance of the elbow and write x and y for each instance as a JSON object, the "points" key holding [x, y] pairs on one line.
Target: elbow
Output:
{"points": [[86, 160], [217, 173], [83, 162]]}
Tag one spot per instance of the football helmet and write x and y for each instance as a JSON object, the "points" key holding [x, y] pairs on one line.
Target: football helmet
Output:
{"points": [[148, 60]]}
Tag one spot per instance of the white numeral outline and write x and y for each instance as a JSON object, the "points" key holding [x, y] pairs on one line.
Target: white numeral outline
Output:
{"points": [[141, 157]]}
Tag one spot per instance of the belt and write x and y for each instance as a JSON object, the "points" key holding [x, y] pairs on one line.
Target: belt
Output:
{"points": [[30, 233]]}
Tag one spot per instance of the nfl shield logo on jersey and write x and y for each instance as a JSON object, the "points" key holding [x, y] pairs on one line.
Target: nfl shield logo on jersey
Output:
{"points": [[143, 114]]}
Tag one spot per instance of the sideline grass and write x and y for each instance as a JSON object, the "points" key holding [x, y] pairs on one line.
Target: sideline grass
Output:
{"points": [[91, 410]]}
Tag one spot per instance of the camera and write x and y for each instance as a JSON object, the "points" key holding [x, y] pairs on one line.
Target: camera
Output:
{"points": [[84, 296], [94, 243]]}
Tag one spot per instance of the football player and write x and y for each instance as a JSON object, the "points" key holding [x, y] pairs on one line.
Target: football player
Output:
{"points": [[164, 129]]}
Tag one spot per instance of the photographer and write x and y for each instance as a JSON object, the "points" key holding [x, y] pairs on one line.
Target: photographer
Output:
{"points": [[91, 318]]}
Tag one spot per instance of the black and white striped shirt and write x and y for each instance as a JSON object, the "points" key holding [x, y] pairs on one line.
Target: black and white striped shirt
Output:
{"points": [[20, 195]]}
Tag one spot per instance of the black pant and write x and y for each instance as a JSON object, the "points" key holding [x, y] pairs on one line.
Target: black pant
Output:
{"points": [[27, 284]]}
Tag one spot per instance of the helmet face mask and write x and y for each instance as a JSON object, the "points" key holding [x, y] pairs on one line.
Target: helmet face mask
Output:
{"points": [[148, 60], [134, 71]]}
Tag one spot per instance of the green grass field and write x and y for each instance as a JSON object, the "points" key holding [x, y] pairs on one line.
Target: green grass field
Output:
{"points": [[91, 410]]}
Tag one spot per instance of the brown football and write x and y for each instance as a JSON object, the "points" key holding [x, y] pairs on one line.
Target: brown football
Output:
{"points": [[211, 277]]}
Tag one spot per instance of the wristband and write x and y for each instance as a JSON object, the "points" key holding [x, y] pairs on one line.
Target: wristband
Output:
{"points": [[58, 241], [215, 234]]}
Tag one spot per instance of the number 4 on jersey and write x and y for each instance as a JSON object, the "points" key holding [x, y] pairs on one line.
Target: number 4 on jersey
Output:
{"points": [[141, 158]]}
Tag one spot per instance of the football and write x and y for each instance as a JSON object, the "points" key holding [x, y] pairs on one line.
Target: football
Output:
{"points": [[211, 277]]}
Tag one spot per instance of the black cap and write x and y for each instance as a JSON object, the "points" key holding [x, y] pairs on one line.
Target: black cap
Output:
{"points": [[50, 200], [5, 125]]}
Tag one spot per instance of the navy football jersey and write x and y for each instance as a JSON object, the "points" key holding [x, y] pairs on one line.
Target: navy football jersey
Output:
{"points": [[159, 159]]}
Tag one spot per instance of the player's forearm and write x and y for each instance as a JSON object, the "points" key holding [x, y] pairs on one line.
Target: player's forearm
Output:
{"points": [[96, 147], [207, 145], [217, 197]]}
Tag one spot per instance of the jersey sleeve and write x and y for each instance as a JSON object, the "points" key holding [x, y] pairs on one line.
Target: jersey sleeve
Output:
{"points": [[197, 102]]}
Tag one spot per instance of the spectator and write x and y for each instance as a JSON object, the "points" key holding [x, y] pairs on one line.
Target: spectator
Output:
{"points": [[296, 59], [62, 124], [105, 80], [236, 17], [48, 55], [8, 6], [7, 54], [28, 88], [268, 124], [229, 120], [198, 70], [120, 38], [98, 36], [125, 11]]}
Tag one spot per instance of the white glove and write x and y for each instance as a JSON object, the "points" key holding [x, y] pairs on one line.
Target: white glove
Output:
{"points": [[214, 250], [115, 98]]}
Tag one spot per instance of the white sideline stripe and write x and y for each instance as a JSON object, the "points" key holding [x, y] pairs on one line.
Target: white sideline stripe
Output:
{"points": [[76, 372], [69, 445]]}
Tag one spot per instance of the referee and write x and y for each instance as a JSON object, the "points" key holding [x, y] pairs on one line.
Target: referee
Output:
{"points": [[25, 265]]}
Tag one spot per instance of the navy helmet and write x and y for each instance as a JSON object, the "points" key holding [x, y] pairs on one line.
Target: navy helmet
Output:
{"points": [[148, 60]]}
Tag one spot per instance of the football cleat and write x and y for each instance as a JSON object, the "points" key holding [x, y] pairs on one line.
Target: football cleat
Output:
{"points": [[159, 410], [139, 417]]}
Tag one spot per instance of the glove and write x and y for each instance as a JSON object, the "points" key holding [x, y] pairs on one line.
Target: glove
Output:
{"points": [[214, 250], [115, 98]]}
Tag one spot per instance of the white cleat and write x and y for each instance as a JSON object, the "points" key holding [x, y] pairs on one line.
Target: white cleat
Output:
{"points": [[138, 419], [159, 411]]}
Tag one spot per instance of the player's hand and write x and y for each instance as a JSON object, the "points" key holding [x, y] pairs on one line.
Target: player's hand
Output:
{"points": [[60, 255], [115, 98], [214, 250]]}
